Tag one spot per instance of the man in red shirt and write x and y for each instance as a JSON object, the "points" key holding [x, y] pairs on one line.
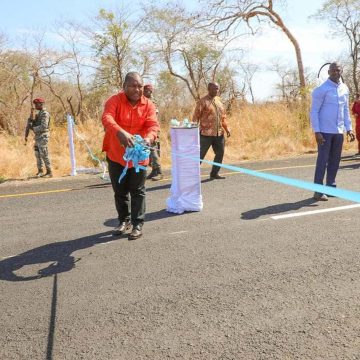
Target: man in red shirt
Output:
{"points": [[126, 114], [356, 111]]}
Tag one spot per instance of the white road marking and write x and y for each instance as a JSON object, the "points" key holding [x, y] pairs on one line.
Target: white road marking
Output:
{"points": [[178, 232], [106, 243], [8, 257], [304, 213]]}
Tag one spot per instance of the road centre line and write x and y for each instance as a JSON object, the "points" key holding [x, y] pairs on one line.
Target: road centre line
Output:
{"points": [[35, 193], [313, 212]]}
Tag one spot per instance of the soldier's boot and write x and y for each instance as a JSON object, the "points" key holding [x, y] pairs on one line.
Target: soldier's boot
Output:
{"points": [[152, 174], [158, 176], [48, 173], [40, 173]]}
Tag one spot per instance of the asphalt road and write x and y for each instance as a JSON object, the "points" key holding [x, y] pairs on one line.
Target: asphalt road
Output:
{"points": [[234, 281]]}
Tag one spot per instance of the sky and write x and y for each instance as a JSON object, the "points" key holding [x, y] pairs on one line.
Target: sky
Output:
{"points": [[314, 37]]}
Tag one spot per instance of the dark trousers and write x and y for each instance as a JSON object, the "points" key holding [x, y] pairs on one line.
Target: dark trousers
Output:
{"points": [[218, 145], [328, 159], [131, 186], [155, 156], [357, 132]]}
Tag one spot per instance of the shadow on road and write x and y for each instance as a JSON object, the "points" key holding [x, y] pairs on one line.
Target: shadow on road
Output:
{"points": [[98, 186], [350, 158], [59, 254], [350, 166], [168, 186], [162, 214], [158, 187], [276, 209], [150, 216]]}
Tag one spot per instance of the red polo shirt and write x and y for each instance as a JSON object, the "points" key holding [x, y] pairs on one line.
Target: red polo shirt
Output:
{"points": [[356, 109], [120, 114]]}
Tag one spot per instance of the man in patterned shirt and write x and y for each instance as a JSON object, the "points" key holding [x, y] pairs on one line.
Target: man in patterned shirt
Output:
{"points": [[40, 126], [211, 117]]}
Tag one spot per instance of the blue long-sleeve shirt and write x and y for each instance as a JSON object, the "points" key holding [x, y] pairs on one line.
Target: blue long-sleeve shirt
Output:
{"points": [[330, 108]]}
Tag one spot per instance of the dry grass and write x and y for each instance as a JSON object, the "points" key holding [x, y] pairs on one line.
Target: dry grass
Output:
{"points": [[267, 132], [258, 132], [18, 161]]}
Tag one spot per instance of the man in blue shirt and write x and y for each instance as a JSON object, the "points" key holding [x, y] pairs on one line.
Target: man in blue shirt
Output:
{"points": [[330, 115]]}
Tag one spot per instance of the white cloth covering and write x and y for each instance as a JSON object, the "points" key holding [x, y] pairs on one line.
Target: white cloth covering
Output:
{"points": [[186, 184]]}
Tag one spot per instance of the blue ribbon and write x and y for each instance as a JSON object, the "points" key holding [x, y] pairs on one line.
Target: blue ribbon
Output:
{"points": [[138, 153], [329, 190]]}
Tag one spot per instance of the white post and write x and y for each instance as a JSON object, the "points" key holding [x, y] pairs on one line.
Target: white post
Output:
{"points": [[70, 124]]}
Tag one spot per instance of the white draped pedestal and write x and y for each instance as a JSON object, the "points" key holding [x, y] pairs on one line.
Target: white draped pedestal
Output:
{"points": [[186, 184]]}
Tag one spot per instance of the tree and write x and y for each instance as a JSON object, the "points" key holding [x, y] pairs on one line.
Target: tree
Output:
{"points": [[75, 66], [229, 88], [172, 97], [344, 18], [25, 74], [249, 71], [47, 68], [113, 41], [225, 15], [15, 85], [189, 53], [287, 87]]}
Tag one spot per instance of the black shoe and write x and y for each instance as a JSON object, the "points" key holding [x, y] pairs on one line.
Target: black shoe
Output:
{"points": [[320, 197], [331, 196], [39, 174], [122, 228], [216, 177], [48, 174], [136, 232], [152, 174], [158, 176]]}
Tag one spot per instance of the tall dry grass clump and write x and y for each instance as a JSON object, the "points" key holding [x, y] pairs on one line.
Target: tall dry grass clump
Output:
{"points": [[264, 131], [267, 131]]}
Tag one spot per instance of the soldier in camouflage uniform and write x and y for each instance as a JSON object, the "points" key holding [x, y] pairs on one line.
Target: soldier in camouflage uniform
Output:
{"points": [[40, 126], [155, 173]]}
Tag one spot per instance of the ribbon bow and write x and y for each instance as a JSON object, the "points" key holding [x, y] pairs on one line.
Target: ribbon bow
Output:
{"points": [[138, 153]]}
